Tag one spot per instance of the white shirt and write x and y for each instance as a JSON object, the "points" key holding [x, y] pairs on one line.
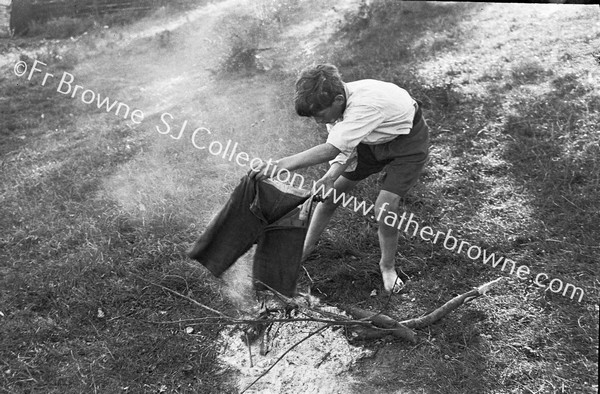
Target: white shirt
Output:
{"points": [[376, 112]]}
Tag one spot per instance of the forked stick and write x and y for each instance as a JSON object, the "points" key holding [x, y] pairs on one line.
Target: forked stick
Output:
{"points": [[449, 306], [402, 329]]}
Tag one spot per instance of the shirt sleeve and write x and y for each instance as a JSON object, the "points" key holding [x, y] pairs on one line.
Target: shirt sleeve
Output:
{"points": [[358, 122], [342, 158]]}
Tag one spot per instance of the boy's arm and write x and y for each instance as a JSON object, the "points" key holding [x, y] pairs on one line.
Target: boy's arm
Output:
{"points": [[310, 157], [334, 172], [329, 178]]}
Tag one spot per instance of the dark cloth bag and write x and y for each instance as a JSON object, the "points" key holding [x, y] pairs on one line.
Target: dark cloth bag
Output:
{"points": [[266, 213]]}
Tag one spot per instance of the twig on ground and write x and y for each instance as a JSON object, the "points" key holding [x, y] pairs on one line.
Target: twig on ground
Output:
{"points": [[307, 274], [284, 353], [249, 350], [191, 321], [233, 322], [377, 321], [208, 308]]}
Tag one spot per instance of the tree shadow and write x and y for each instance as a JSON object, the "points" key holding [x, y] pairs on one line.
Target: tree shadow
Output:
{"points": [[393, 34], [553, 155]]}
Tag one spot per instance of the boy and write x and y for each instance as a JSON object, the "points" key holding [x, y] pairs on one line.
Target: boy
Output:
{"points": [[371, 125]]}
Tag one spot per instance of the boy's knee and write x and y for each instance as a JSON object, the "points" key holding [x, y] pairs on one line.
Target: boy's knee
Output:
{"points": [[386, 203], [386, 211]]}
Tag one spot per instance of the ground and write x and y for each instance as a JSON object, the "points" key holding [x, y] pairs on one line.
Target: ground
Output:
{"points": [[97, 209]]}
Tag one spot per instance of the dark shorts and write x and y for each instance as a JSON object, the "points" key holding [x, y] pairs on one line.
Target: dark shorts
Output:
{"points": [[403, 158]]}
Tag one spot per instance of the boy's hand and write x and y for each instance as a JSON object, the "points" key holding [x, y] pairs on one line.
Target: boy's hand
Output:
{"points": [[264, 171], [322, 189]]}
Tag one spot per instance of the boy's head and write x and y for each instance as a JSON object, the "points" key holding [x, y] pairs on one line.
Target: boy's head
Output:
{"points": [[320, 93]]}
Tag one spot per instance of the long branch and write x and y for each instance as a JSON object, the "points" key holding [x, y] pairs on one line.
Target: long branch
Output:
{"points": [[193, 301], [377, 321], [449, 306], [230, 322]]}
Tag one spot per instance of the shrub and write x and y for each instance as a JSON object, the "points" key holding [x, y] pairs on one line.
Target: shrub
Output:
{"points": [[244, 35], [248, 33]]}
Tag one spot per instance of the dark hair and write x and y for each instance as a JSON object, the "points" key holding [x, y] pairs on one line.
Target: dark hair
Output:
{"points": [[316, 88]]}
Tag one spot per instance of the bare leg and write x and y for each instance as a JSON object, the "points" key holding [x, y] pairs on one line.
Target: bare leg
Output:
{"points": [[323, 213], [387, 203]]}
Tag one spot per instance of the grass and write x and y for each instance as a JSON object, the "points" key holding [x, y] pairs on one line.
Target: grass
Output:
{"points": [[90, 203], [75, 317], [68, 291]]}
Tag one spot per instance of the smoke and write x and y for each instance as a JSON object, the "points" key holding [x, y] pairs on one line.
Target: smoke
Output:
{"points": [[238, 283]]}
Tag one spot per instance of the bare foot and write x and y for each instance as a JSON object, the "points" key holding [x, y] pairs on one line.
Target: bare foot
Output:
{"points": [[391, 280]]}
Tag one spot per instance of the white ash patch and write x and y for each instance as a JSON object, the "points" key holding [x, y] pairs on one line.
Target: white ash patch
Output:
{"points": [[321, 364]]}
